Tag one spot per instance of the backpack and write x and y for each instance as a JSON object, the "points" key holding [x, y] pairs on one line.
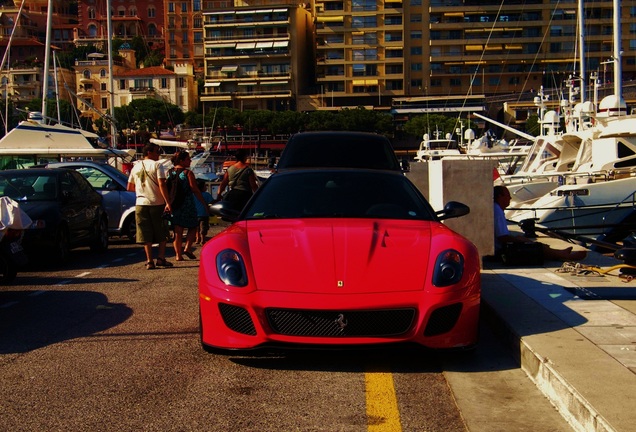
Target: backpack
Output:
{"points": [[176, 190]]}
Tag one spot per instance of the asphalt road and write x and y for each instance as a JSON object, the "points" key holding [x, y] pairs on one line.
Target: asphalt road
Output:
{"points": [[105, 345]]}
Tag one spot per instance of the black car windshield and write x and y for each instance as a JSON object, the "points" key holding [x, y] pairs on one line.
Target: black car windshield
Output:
{"points": [[27, 186], [338, 193]]}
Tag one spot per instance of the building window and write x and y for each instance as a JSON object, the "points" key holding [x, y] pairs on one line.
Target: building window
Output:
{"points": [[122, 84], [394, 85], [102, 86], [152, 30], [164, 83], [416, 34], [197, 22], [181, 82], [196, 5], [171, 7], [417, 50], [416, 66], [91, 13], [151, 12], [455, 82], [104, 103], [184, 7], [364, 21]]}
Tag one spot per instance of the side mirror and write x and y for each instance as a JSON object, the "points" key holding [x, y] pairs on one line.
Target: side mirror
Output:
{"points": [[224, 211], [453, 209]]}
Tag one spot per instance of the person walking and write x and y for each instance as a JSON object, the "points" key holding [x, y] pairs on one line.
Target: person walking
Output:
{"points": [[148, 180], [241, 181], [203, 213], [184, 212]]}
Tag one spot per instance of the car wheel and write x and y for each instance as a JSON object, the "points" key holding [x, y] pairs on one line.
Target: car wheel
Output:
{"points": [[130, 228], [63, 247], [8, 272], [100, 244]]}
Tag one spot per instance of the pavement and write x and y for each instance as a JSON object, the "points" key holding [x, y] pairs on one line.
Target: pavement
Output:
{"points": [[572, 329]]}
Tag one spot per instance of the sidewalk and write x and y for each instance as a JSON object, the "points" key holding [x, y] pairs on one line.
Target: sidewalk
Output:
{"points": [[573, 334]]}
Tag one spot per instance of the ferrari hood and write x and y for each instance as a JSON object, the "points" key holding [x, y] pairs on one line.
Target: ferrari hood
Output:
{"points": [[339, 255]]}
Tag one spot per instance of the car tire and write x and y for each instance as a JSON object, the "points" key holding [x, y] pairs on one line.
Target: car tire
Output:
{"points": [[8, 272], [100, 244], [62, 246], [130, 228]]}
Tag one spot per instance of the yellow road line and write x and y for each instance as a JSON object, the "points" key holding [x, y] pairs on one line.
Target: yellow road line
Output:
{"points": [[383, 414]]}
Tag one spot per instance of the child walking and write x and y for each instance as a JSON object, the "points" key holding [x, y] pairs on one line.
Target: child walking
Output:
{"points": [[203, 213]]}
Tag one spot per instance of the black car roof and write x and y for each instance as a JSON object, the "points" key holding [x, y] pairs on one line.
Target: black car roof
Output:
{"points": [[344, 149]]}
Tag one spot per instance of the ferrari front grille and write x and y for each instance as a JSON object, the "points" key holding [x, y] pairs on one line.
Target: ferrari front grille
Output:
{"points": [[238, 319], [370, 323]]}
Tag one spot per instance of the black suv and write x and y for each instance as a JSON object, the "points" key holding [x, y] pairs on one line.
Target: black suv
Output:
{"points": [[338, 150]]}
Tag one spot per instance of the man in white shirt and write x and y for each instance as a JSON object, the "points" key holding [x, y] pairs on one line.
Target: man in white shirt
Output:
{"points": [[148, 180]]}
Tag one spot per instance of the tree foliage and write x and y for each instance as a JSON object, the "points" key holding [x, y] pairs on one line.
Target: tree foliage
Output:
{"points": [[434, 125], [148, 114]]}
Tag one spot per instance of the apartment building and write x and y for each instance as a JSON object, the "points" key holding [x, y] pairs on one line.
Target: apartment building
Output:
{"points": [[371, 51], [129, 18], [184, 34], [23, 32], [176, 86], [257, 57]]}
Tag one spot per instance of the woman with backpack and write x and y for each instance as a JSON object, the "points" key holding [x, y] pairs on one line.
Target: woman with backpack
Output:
{"points": [[183, 189], [241, 181]]}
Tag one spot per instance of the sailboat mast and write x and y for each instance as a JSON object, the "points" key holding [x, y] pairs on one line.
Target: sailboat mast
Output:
{"points": [[618, 78], [109, 29], [582, 48], [47, 59]]}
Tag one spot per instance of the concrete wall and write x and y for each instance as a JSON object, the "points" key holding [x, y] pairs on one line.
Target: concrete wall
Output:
{"points": [[466, 181]]}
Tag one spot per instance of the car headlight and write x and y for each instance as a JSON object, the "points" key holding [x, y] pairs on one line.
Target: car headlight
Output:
{"points": [[449, 268], [231, 269]]}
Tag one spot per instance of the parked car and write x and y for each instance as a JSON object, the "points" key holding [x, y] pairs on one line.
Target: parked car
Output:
{"points": [[338, 257], [341, 149], [111, 184], [65, 210]]}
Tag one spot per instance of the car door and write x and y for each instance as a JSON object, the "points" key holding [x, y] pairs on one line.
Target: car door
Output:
{"points": [[79, 206], [109, 189]]}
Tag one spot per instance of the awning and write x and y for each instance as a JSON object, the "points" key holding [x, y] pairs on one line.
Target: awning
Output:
{"points": [[223, 45], [365, 82], [280, 44], [474, 48], [274, 82], [247, 83], [323, 18], [260, 45], [233, 68], [245, 45], [280, 10], [244, 12], [212, 84]]}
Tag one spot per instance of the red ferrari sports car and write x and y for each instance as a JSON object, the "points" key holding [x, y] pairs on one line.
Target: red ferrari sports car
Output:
{"points": [[339, 257]]}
